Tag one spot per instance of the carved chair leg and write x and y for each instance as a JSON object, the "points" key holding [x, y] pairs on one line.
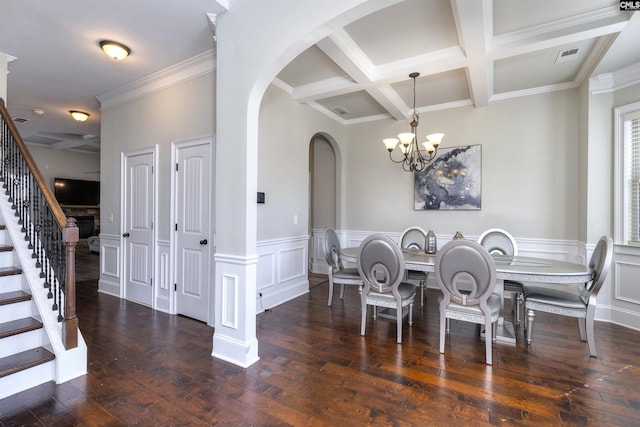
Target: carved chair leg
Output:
{"points": [[330, 292], [516, 300], [531, 317], [399, 325], [488, 338], [443, 322], [589, 329]]}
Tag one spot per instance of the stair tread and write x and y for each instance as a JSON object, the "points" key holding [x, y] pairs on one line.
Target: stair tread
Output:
{"points": [[6, 248], [19, 326], [10, 271], [24, 360], [13, 297]]}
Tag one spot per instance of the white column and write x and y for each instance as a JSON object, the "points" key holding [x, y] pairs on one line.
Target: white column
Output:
{"points": [[235, 339], [255, 40]]}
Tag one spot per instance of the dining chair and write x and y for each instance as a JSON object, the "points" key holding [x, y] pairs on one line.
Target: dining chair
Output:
{"points": [[466, 264], [499, 241], [415, 238], [381, 265], [566, 303], [337, 273]]}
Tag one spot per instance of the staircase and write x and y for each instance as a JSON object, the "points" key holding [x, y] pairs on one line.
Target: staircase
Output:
{"points": [[26, 355], [39, 336]]}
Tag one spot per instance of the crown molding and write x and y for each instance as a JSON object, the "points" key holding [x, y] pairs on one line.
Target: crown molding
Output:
{"points": [[176, 74], [611, 82]]}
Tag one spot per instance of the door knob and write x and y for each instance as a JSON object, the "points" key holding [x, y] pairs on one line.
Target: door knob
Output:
{"points": [[203, 242], [125, 235]]}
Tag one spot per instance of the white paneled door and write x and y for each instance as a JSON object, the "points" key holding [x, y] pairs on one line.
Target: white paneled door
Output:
{"points": [[192, 228], [138, 227]]}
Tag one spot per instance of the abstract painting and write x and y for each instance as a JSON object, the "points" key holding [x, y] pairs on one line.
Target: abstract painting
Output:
{"points": [[452, 181]]}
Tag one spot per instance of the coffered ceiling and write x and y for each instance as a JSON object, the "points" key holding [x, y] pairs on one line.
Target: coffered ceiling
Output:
{"points": [[468, 52]]}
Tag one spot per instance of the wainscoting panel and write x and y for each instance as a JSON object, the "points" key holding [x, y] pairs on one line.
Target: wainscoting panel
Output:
{"points": [[281, 271], [230, 301], [625, 288], [110, 269], [162, 282]]}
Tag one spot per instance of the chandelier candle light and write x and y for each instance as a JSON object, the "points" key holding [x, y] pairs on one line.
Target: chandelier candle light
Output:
{"points": [[413, 159]]}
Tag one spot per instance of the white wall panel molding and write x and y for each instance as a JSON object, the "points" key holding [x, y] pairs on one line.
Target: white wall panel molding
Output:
{"points": [[162, 277], [281, 271], [317, 259], [110, 269], [235, 281]]}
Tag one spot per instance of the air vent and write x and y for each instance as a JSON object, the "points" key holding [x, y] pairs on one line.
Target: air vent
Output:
{"points": [[20, 120], [340, 111], [567, 55]]}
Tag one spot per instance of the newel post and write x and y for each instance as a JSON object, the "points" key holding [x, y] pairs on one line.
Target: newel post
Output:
{"points": [[70, 235]]}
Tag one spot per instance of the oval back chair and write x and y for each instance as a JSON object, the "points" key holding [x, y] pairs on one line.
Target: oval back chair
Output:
{"points": [[414, 238], [381, 265], [499, 241], [337, 273], [565, 303], [466, 274]]}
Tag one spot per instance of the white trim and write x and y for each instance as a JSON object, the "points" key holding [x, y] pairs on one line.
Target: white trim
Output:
{"points": [[619, 202], [173, 215], [176, 74], [124, 155]]}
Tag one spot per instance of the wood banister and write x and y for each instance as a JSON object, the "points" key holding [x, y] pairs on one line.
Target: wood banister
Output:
{"points": [[70, 234]]}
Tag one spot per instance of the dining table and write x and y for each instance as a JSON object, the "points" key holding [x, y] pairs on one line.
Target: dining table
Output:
{"points": [[508, 267]]}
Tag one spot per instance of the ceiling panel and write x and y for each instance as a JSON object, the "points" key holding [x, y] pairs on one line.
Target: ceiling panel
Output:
{"points": [[310, 66], [353, 105], [540, 68], [407, 29]]}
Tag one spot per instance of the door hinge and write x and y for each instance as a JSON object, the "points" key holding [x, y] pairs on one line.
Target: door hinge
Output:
{"points": [[176, 167], [151, 280], [176, 226], [175, 287]]}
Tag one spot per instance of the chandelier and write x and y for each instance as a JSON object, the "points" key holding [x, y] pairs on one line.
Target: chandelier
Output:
{"points": [[414, 160]]}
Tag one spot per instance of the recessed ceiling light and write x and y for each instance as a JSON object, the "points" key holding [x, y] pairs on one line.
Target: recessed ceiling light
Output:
{"points": [[80, 116], [114, 50], [38, 111]]}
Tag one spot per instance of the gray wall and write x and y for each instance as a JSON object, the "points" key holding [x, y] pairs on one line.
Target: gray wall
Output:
{"points": [[66, 164], [285, 132], [529, 170], [180, 112]]}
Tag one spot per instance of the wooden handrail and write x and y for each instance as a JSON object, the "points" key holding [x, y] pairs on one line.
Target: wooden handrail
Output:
{"points": [[70, 235], [58, 213]]}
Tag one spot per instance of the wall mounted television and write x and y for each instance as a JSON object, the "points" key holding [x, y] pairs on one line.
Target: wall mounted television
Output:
{"points": [[76, 192]]}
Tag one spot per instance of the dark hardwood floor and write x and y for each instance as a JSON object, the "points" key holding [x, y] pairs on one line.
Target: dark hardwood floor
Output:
{"points": [[149, 368]]}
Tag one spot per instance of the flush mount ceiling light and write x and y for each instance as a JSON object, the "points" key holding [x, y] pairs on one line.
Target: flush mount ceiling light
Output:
{"points": [[80, 116], [114, 50]]}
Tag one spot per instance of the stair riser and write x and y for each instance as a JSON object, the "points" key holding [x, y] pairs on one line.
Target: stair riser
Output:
{"points": [[26, 379], [18, 310], [4, 238], [21, 342], [7, 259], [12, 283]]}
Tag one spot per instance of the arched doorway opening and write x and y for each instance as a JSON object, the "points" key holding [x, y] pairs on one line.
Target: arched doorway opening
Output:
{"points": [[324, 201]]}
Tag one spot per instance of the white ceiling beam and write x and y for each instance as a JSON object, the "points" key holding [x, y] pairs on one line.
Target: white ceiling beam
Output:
{"points": [[564, 31], [343, 50], [471, 18]]}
